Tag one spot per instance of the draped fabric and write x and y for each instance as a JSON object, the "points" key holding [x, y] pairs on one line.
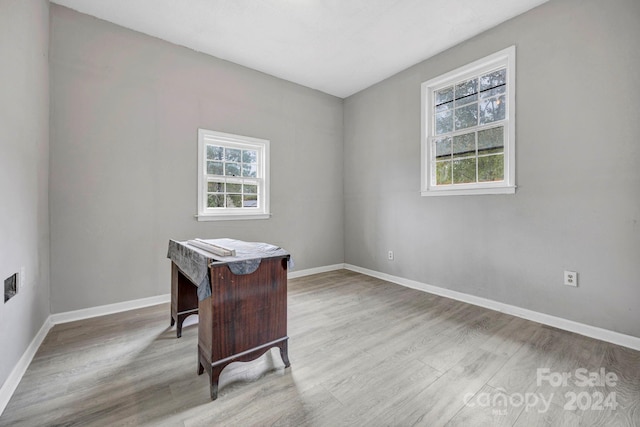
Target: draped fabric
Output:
{"points": [[194, 262]]}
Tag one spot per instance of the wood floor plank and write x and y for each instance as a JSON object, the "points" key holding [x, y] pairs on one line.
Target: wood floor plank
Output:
{"points": [[363, 352], [442, 399], [556, 416], [488, 407]]}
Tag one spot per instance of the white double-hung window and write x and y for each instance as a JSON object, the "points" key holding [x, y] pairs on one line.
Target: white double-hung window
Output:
{"points": [[233, 176], [468, 128]]}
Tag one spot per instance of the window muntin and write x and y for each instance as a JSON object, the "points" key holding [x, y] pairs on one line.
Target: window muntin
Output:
{"points": [[229, 177], [232, 176], [468, 128]]}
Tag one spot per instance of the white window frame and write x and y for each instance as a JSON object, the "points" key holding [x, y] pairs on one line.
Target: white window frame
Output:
{"points": [[209, 137], [504, 58]]}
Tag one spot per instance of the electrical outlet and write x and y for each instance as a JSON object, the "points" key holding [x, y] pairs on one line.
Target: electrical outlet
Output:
{"points": [[390, 255], [10, 287], [571, 278]]}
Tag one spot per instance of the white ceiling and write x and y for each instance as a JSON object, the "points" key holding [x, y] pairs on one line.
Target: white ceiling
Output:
{"points": [[337, 46]]}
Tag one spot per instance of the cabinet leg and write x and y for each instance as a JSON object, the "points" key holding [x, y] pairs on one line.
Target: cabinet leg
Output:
{"points": [[178, 322], [213, 381], [179, 328], [284, 352], [213, 389], [181, 318]]}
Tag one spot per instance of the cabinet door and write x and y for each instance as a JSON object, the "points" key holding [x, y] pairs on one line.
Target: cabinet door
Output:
{"points": [[246, 311]]}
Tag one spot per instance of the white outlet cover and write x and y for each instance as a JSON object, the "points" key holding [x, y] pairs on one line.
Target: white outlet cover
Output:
{"points": [[571, 278]]}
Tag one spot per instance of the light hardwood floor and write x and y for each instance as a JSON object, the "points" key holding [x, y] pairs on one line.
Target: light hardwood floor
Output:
{"points": [[363, 352]]}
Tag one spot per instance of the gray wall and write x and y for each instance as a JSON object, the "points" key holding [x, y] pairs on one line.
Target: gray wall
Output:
{"points": [[577, 205], [125, 113], [24, 169], [126, 107]]}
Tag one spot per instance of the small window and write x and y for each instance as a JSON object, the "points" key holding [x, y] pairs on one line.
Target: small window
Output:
{"points": [[468, 128], [233, 174]]}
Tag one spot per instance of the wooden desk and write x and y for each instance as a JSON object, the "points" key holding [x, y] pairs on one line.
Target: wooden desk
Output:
{"points": [[245, 316]]}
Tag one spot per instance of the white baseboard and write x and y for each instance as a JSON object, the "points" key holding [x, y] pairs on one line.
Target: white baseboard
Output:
{"points": [[102, 310], [546, 319], [18, 371], [316, 270]]}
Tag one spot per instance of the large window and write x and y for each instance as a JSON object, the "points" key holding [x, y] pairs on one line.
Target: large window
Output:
{"points": [[233, 174], [468, 128]]}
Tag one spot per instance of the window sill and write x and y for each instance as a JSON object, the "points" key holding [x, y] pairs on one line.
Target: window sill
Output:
{"points": [[469, 191], [204, 217]]}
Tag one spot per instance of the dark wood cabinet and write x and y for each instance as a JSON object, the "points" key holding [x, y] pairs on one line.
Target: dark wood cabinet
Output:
{"points": [[245, 316]]}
